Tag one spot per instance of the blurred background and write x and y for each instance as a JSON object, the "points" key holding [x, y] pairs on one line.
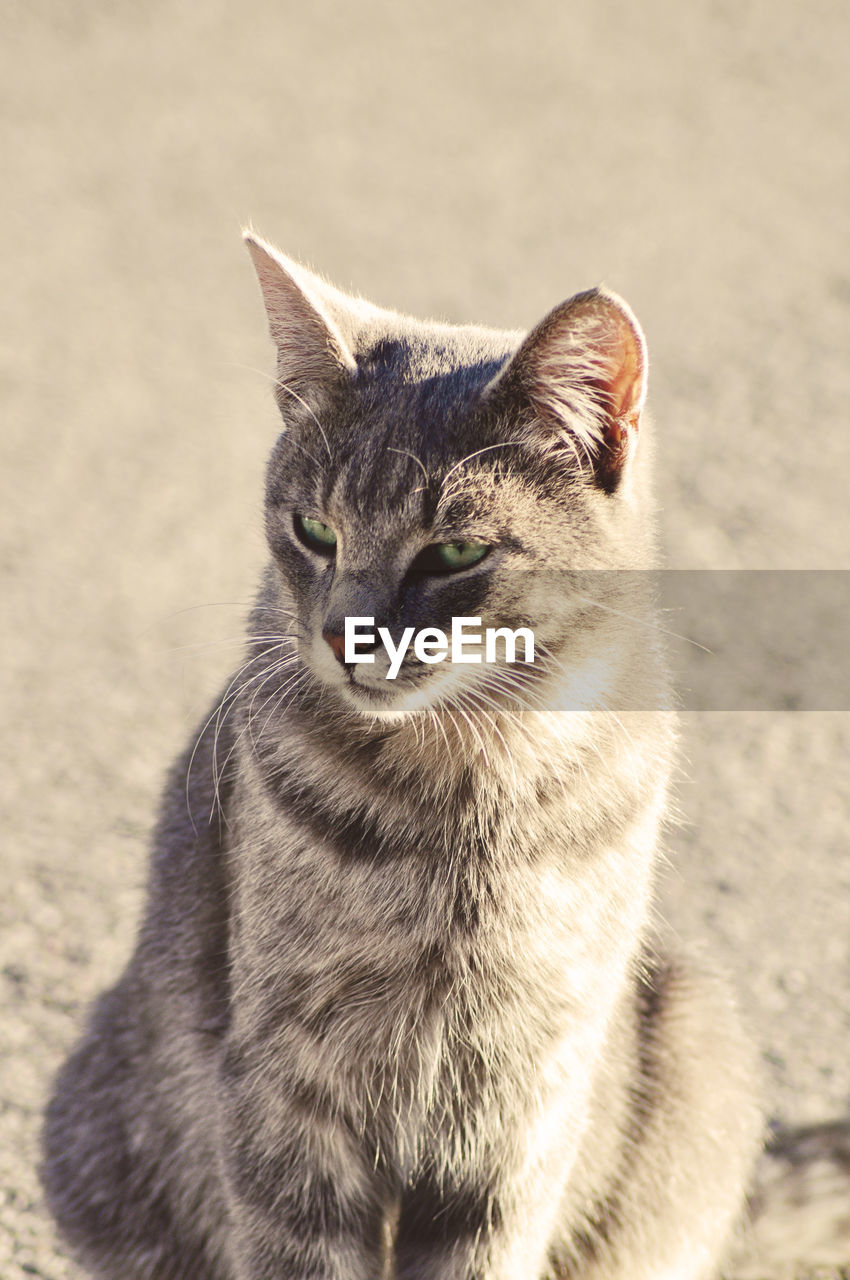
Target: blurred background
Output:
{"points": [[470, 161]]}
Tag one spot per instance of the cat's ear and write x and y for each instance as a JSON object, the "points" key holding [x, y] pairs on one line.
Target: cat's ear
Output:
{"points": [[312, 353], [582, 371]]}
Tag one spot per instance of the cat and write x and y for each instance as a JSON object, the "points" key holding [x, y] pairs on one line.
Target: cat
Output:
{"points": [[397, 1006]]}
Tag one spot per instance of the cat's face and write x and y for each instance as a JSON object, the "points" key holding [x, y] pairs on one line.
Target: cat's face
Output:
{"points": [[429, 474]]}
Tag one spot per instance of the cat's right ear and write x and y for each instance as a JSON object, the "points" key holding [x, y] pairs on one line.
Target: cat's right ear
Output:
{"points": [[312, 355], [582, 373]]}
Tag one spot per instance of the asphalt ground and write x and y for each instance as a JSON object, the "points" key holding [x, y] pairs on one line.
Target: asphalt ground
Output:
{"points": [[475, 162]]}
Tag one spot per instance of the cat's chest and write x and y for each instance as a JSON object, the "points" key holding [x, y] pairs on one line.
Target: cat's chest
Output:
{"points": [[426, 946], [386, 943]]}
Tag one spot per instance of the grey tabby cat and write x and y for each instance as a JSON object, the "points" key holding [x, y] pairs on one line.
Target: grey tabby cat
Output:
{"points": [[396, 1008]]}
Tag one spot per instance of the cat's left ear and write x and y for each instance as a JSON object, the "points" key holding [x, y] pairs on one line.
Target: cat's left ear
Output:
{"points": [[312, 352], [583, 371]]}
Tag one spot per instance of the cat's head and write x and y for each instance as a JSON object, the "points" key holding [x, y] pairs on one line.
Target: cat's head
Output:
{"points": [[428, 473]]}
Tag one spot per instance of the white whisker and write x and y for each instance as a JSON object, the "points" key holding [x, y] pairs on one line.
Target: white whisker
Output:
{"points": [[418, 461], [304, 405], [505, 444]]}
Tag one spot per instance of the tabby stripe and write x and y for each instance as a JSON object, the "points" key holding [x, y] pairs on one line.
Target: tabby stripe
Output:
{"points": [[352, 834], [434, 1216], [284, 1186]]}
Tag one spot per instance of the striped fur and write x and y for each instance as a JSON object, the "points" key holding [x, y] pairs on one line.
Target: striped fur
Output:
{"points": [[396, 1008]]}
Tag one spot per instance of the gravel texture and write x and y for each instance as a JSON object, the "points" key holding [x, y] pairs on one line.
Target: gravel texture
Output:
{"points": [[471, 161]]}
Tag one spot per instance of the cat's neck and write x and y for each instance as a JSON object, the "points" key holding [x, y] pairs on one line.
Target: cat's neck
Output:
{"points": [[437, 768]]}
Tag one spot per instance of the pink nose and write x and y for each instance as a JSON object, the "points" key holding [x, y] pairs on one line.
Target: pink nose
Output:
{"points": [[337, 643]]}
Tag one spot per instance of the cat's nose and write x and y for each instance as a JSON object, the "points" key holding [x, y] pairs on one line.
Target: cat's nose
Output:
{"points": [[337, 643]]}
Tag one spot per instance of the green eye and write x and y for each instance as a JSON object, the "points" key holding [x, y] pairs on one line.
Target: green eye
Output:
{"points": [[449, 557], [315, 535], [460, 555]]}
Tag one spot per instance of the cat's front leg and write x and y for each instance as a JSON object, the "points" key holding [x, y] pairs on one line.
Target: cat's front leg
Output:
{"points": [[474, 1231], [304, 1202]]}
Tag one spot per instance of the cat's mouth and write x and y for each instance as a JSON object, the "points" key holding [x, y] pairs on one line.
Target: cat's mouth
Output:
{"points": [[376, 692], [386, 691], [390, 698]]}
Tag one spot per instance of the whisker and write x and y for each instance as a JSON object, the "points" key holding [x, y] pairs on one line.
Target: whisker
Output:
{"points": [[282, 689], [240, 640], [228, 695], [505, 444], [434, 717], [284, 386], [284, 695], [218, 773], [482, 746], [418, 461], [447, 708], [651, 624], [269, 674]]}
